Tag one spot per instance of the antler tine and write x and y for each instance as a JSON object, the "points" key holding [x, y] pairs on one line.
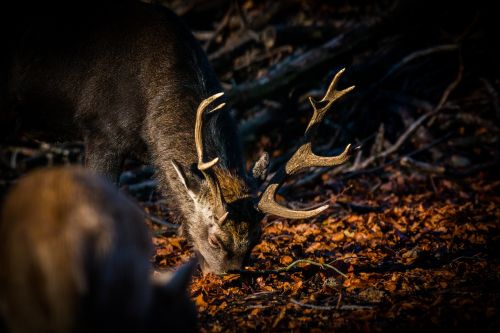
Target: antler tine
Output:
{"points": [[331, 96], [204, 167], [304, 157]]}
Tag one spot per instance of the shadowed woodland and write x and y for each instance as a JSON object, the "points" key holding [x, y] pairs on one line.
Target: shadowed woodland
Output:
{"points": [[411, 238]]}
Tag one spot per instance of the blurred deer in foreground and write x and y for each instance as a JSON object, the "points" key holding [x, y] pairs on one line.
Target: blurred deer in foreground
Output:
{"points": [[74, 257], [130, 79]]}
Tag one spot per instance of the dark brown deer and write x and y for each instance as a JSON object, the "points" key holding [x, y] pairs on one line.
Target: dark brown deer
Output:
{"points": [[132, 80], [74, 257]]}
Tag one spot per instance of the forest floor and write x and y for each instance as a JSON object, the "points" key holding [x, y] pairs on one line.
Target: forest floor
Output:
{"points": [[411, 240], [406, 253]]}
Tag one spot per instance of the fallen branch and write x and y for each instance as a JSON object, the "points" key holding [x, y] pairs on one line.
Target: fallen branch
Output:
{"points": [[288, 72], [422, 167]]}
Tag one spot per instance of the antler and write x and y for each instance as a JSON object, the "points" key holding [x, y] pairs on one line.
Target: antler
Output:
{"points": [[205, 167], [304, 158]]}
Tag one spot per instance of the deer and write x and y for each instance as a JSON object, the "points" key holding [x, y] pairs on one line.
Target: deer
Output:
{"points": [[135, 82], [74, 257]]}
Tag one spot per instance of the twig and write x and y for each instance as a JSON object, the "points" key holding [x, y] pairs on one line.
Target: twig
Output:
{"points": [[474, 257], [401, 140], [232, 45], [142, 187], [378, 144], [451, 86], [134, 177], [315, 307], [243, 16], [330, 308], [415, 125], [265, 56], [223, 23], [358, 172], [494, 96], [289, 267], [415, 55], [339, 300], [422, 166], [159, 221]]}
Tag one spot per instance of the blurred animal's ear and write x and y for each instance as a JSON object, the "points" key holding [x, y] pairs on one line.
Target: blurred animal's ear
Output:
{"points": [[189, 183], [177, 283], [172, 308]]}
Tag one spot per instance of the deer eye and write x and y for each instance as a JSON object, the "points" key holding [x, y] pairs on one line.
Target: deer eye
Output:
{"points": [[213, 241]]}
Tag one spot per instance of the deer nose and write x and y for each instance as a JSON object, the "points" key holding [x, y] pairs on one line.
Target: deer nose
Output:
{"points": [[206, 268]]}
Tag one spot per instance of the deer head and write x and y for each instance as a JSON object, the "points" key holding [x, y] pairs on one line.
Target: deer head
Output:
{"points": [[224, 225]]}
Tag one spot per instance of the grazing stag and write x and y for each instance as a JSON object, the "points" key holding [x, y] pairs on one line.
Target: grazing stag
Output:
{"points": [[74, 257], [132, 80]]}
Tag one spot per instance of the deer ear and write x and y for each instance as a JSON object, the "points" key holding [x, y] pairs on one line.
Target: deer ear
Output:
{"points": [[260, 168], [188, 183]]}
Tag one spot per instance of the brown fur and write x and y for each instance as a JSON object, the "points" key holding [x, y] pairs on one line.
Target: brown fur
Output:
{"points": [[233, 187], [74, 254], [127, 80]]}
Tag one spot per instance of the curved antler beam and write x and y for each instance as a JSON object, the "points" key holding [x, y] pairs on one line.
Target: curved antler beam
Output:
{"points": [[203, 166], [268, 204], [198, 136]]}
